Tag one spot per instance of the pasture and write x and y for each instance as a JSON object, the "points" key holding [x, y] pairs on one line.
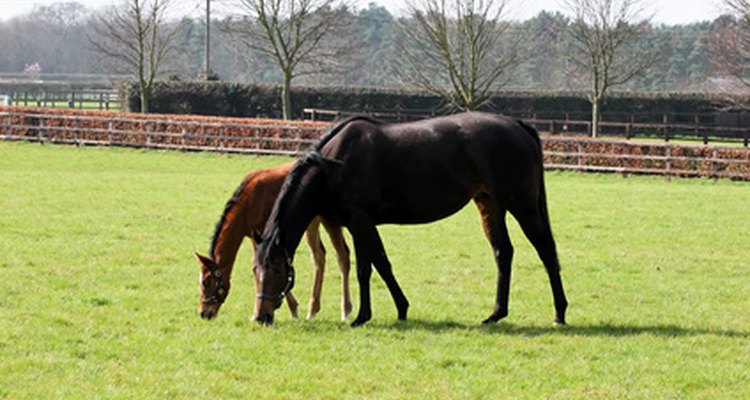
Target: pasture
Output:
{"points": [[99, 292]]}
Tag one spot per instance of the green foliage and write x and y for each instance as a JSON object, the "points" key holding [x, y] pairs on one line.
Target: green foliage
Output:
{"points": [[99, 293]]}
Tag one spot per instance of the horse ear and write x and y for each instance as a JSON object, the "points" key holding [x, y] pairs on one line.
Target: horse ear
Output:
{"points": [[207, 262]]}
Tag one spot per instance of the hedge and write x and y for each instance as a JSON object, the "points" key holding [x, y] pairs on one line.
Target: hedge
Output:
{"points": [[236, 100]]}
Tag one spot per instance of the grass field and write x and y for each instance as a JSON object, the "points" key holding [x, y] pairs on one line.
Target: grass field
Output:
{"points": [[99, 292]]}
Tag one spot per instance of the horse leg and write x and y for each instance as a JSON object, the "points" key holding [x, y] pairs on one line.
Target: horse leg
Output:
{"points": [[383, 266], [292, 303], [342, 255], [536, 227], [369, 250], [364, 272], [493, 222], [319, 264]]}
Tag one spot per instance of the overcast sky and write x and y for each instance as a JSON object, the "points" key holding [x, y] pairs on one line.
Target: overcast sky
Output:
{"points": [[665, 11]]}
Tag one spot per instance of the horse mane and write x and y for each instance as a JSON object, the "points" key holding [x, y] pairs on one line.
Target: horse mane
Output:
{"points": [[292, 182], [311, 158], [227, 208]]}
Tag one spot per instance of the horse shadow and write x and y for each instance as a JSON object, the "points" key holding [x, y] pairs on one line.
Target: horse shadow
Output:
{"points": [[606, 329]]}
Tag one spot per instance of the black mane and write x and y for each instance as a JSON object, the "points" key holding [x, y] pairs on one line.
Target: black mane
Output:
{"points": [[311, 158]]}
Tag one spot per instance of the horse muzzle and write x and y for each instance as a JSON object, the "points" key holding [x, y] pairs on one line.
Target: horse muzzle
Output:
{"points": [[265, 318], [208, 314]]}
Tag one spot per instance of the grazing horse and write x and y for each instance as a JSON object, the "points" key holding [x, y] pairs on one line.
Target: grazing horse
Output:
{"points": [[364, 173], [245, 215]]}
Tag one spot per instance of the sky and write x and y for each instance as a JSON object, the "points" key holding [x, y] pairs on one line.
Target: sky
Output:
{"points": [[668, 12]]}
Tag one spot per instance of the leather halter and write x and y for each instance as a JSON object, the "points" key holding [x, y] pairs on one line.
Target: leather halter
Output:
{"points": [[287, 288], [220, 294]]}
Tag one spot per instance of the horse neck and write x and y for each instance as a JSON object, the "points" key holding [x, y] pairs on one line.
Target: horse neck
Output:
{"points": [[227, 246], [232, 229], [295, 208]]}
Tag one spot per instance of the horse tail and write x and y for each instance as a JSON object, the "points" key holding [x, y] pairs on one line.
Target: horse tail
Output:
{"points": [[532, 132], [542, 193], [339, 127]]}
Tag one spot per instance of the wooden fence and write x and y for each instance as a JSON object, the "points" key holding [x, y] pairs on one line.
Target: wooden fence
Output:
{"points": [[82, 100], [696, 127], [289, 138]]}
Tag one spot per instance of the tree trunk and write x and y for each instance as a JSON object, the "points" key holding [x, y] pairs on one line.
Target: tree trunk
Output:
{"points": [[286, 97], [145, 100], [595, 116]]}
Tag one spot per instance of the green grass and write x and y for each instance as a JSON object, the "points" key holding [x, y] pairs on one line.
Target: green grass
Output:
{"points": [[99, 292]]}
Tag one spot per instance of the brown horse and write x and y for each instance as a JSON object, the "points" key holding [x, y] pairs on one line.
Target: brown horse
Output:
{"points": [[245, 215], [364, 173]]}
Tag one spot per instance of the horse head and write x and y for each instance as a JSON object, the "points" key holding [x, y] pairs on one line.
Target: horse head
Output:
{"points": [[274, 278], [214, 283]]}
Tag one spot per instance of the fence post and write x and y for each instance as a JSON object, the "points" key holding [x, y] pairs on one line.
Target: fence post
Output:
{"points": [[184, 137], [667, 163], [109, 132], [714, 173], [148, 135], [77, 137], [665, 127], [72, 102], [580, 157], [6, 125], [257, 139], [222, 145], [40, 128]]}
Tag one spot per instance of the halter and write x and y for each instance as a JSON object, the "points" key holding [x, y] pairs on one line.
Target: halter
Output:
{"points": [[287, 288], [221, 291]]}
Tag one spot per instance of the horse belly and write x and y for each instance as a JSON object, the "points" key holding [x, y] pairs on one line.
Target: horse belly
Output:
{"points": [[423, 198]]}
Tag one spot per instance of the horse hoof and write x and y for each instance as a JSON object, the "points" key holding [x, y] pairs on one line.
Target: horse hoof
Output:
{"points": [[493, 319], [346, 310], [359, 322]]}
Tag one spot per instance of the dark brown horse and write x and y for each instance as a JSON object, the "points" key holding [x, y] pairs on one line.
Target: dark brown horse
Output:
{"points": [[245, 215], [364, 173]]}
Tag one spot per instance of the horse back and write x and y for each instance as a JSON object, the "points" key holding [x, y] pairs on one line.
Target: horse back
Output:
{"points": [[426, 170]]}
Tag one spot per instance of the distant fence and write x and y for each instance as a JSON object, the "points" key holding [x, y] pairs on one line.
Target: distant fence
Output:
{"points": [[187, 133], [192, 133], [698, 127], [82, 100]]}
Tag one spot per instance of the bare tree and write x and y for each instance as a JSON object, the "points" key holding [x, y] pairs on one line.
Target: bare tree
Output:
{"points": [[302, 37], [605, 35], [58, 27], [136, 39], [731, 51], [452, 49]]}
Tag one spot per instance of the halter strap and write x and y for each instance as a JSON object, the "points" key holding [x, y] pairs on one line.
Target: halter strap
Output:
{"points": [[221, 292], [287, 288]]}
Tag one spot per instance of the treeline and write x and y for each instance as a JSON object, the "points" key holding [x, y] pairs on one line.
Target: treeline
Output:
{"points": [[58, 38]]}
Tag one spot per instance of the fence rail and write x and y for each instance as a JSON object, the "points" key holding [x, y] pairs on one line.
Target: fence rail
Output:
{"points": [[82, 100], [697, 127], [279, 137]]}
